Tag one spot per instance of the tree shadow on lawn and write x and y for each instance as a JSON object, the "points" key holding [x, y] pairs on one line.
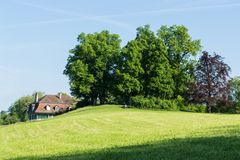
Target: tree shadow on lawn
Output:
{"points": [[216, 148]]}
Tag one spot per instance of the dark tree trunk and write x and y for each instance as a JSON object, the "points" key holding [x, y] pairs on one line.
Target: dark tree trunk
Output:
{"points": [[130, 101], [102, 100], [209, 109], [94, 101], [127, 100]]}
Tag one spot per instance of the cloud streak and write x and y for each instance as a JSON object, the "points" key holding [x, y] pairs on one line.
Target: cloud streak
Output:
{"points": [[170, 10], [108, 19], [74, 16]]}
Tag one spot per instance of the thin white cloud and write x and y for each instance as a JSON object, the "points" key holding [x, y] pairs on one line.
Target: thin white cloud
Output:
{"points": [[75, 16], [170, 10], [62, 20], [29, 24], [108, 19], [216, 4]]}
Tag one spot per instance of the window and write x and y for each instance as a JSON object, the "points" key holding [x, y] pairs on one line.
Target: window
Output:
{"points": [[56, 108], [42, 116], [47, 107]]}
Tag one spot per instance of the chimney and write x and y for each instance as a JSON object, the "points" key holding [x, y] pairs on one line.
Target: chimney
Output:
{"points": [[36, 97], [60, 95]]}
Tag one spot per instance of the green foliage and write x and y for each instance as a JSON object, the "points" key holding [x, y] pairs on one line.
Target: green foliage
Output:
{"points": [[91, 65], [2, 117], [154, 103], [194, 108], [141, 102], [81, 80], [18, 112], [157, 77], [158, 65], [20, 107], [6, 119], [128, 71], [180, 101], [143, 67], [235, 90], [150, 65], [180, 49], [170, 105], [173, 105], [9, 119]]}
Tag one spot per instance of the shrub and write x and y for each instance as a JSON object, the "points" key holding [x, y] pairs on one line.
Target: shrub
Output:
{"points": [[154, 103], [196, 108], [163, 104], [140, 102], [180, 102], [9, 119], [225, 107]]}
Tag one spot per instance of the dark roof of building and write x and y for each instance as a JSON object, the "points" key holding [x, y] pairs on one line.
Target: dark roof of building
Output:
{"points": [[55, 99]]}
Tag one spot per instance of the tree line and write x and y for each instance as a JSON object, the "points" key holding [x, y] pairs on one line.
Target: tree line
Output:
{"points": [[18, 111], [154, 70], [162, 65]]}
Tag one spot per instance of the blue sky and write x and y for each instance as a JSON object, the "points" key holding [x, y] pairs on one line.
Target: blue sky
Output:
{"points": [[35, 36]]}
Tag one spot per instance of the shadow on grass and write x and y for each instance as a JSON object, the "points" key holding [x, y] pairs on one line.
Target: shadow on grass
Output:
{"points": [[214, 148]]}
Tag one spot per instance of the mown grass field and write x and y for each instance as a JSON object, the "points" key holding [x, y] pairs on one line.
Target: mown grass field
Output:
{"points": [[110, 132]]}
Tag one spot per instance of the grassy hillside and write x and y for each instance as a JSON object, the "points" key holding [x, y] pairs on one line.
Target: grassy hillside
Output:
{"points": [[110, 132]]}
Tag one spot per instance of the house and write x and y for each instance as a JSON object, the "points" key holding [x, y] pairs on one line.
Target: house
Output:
{"points": [[49, 105]]}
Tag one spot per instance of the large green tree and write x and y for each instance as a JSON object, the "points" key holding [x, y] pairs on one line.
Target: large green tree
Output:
{"points": [[90, 65], [180, 49], [128, 72], [143, 67], [157, 76]]}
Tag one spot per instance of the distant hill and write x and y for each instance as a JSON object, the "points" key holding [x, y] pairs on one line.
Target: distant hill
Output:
{"points": [[111, 132]]}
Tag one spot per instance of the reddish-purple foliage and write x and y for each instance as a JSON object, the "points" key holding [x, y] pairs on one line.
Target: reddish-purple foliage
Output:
{"points": [[211, 85]]}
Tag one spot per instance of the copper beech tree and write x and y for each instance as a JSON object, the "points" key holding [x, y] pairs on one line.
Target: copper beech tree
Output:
{"points": [[211, 85]]}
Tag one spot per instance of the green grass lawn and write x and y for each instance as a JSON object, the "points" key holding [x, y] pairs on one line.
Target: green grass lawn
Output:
{"points": [[110, 132]]}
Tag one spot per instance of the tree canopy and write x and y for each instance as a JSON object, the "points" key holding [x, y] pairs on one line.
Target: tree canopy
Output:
{"points": [[154, 69], [157, 76], [90, 65], [157, 65], [180, 49], [212, 76]]}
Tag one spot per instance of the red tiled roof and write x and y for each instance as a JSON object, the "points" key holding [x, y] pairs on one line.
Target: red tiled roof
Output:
{"points": [[65, 99]]}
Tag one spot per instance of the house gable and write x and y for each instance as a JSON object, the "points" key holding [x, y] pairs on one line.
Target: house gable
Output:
{"points": [[50, 105]]}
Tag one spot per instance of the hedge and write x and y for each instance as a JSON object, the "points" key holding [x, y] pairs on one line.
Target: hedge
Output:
{"points": [[163, 104]]}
